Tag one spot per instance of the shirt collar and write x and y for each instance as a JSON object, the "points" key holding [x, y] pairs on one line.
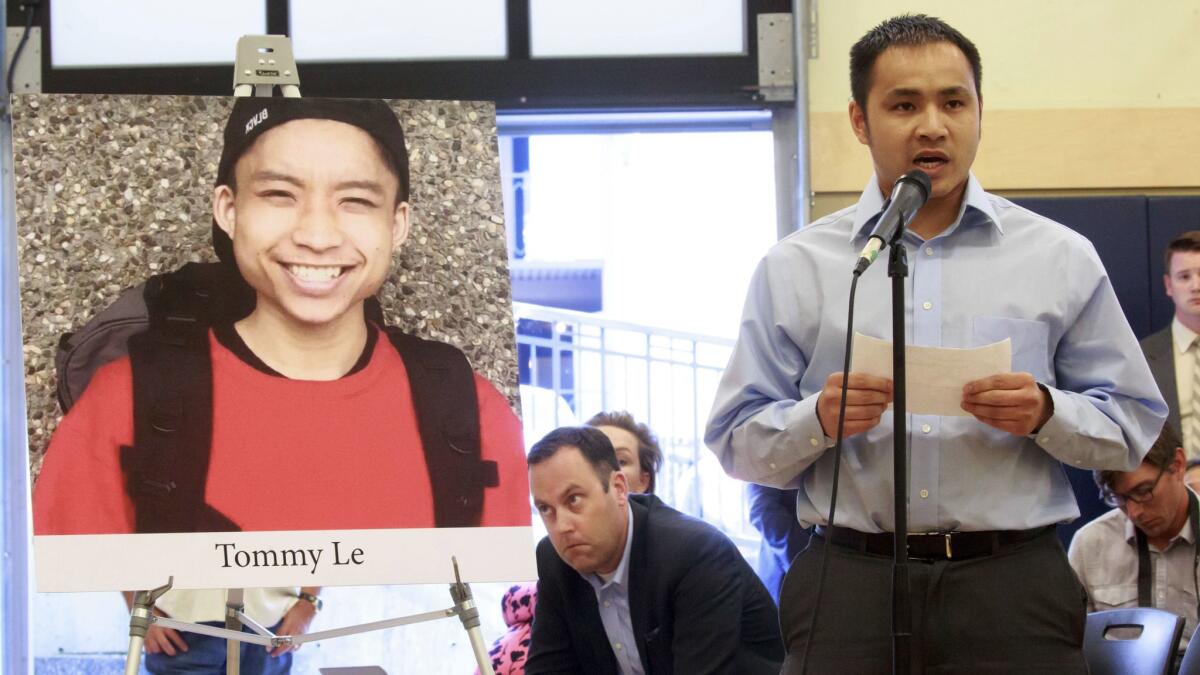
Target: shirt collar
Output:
{"points": [[621, 576], [1182, 335], [976, 205]]}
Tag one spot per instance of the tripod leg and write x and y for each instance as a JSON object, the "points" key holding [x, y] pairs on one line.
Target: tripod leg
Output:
{"points": [[481, 651], [468, 613], [140, 618], [233, 648], [139, 623], [133, 660]]}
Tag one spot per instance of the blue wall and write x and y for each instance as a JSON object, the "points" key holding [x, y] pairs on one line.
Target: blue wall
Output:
{"points": [[1130, 234]]}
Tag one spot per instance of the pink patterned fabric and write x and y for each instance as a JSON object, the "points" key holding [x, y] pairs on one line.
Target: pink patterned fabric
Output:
{"points": [[510, 651]]}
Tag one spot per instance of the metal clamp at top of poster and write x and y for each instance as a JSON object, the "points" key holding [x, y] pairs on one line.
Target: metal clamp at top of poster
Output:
{"points": [[264, 62]]}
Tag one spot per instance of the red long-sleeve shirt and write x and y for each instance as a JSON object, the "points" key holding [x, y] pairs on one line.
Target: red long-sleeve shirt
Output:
{"points": [[286, 454]]}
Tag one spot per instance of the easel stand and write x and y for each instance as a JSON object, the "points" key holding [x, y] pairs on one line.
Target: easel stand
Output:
{"points": [[264, 62], [233, 613], [142, 617]]}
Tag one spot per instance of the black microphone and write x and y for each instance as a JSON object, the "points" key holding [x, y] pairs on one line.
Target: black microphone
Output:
{"points": [[909, 194]]}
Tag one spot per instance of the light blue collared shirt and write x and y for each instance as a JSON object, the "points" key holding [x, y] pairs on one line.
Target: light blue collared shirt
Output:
{"points": [[999, 271], [613, 598]]}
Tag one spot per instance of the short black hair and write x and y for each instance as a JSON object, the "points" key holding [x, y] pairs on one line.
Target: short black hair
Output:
{"points": [[907, 30], [650, 455], [592, 443], [1187, 242], [1160, 456]]}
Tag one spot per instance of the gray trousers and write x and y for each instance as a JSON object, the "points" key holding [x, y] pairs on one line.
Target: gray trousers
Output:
{"points": [[1021, 610]]}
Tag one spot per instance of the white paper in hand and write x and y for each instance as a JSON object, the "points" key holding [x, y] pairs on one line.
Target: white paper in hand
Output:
{"points": [[935, 375]]}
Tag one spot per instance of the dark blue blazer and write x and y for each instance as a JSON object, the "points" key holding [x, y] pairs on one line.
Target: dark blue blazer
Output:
{"points": [[1159, 350], [695, 604]]}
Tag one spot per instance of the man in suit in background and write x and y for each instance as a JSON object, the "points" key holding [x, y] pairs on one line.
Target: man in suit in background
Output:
{"points": [[1174, 353], [626, 584]]}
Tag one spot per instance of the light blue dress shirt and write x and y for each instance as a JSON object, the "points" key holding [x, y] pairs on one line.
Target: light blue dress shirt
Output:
{"points": [[999, 271], [612, 596]]}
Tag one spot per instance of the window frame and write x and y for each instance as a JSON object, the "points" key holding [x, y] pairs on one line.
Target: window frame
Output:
{"points": [[515, 83]]}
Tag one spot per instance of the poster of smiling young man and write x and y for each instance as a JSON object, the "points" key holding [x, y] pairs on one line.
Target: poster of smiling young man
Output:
{"points": [[251, 413]]}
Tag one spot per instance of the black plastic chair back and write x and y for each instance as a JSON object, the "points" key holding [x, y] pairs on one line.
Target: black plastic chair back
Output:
{"points": [[1152, 652], [1191, 658]]}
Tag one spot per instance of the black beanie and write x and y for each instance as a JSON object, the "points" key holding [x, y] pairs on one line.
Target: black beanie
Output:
{"points": [[253, 116]]}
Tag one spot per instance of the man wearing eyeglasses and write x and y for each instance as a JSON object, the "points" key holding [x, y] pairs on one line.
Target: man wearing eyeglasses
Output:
{"points": [[1143, 552]]}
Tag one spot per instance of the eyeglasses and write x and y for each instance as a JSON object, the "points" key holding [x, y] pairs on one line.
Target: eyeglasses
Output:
{"points": [[1138, 495]]}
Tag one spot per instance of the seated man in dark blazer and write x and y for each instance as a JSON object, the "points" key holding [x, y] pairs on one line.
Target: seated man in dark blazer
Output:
{"points": [[1171, 352], [627, 584]]}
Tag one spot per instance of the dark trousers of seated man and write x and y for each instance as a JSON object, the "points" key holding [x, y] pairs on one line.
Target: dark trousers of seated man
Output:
{"points": [[1021, 609], [206, 655]]}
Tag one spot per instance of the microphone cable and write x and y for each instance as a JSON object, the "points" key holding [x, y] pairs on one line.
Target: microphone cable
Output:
{"points": [[837, 467]]}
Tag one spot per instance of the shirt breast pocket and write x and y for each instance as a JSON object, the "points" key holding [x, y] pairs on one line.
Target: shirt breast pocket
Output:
{"points": [[1030, 343], [1114, 596]]}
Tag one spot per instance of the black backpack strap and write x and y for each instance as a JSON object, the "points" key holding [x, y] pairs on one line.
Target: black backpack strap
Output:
{"points": [[167, 466], [443, 394]]}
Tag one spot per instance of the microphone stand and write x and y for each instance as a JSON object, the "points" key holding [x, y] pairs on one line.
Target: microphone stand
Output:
{"points": [[901, 600], [910, 191]]}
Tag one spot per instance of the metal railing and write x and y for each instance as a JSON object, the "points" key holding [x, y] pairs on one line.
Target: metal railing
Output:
{"points": [[575, 364]]}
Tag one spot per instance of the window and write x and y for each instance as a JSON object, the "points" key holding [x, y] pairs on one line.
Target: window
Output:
{"points": [[91, 34], [637, 28], [398, 30]]}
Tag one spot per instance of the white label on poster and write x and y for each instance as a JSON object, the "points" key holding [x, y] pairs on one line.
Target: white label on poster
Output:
{"points": [[296, 558]]}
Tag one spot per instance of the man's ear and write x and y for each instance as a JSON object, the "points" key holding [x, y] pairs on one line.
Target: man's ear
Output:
{"points": [[619, 484], [224, 210], [1179, 463], [858, 122], [400, 225]]}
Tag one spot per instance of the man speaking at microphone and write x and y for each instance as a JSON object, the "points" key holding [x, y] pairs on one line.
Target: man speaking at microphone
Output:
{"points": [[990, 584]]}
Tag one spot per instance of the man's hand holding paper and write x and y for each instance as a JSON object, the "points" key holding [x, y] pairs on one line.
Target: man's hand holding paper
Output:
{"points": [[1011, 402], [952, 382], [867, 398]]}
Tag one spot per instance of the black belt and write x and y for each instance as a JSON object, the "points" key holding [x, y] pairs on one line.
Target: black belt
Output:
{"points": [[932, 546]]}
